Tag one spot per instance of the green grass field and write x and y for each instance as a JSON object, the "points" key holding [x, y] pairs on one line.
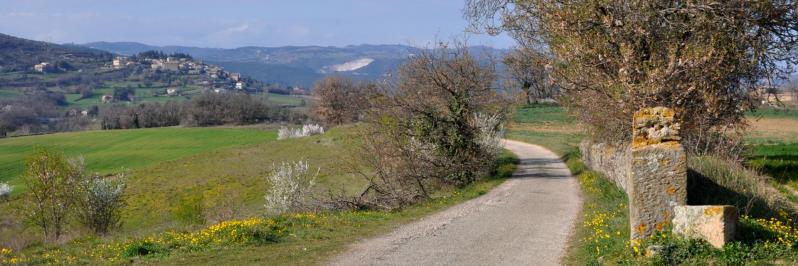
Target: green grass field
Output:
{"points": [[226, 178], [292, 100], [774, 113], [8, 93], [542, 113], [113, 150], [546, 125], [778, 160]]}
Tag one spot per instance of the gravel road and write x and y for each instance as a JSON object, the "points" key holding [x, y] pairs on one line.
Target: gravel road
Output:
{"points": [[524, 221]]}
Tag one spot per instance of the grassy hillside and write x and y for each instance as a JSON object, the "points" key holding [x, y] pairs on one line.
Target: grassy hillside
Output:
{"points": [[109, 151], [227, 179]]}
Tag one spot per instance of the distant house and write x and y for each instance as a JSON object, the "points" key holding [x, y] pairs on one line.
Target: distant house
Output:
{"points": [[119, 62], [156, 64], [240, 85], [171, 65], [42, 67], [299, 91], [171, 91], [216, 72], [235, 76]]}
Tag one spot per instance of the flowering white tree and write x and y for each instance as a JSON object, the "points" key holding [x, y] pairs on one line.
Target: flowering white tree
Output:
{"points": [[490, 131], [5, 191], [100, 202], [290, 185], [306, 130]]}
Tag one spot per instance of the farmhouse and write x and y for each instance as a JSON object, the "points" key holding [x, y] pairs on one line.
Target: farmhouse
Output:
{"points": [[42, 67], [171, 65], [119, 62], [235, 76]]}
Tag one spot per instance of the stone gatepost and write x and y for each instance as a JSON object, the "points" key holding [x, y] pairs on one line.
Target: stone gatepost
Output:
{"points": [[659, 171]]}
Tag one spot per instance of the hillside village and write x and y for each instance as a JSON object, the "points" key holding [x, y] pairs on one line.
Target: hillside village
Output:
{"points": [[212, 77]]}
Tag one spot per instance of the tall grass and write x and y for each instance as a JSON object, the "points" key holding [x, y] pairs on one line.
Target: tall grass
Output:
{"points": [[714, 180]]}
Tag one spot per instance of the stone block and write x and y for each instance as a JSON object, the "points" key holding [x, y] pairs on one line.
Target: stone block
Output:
{"points": [[653, 126], [659, 183], [658, 172], [714, 223]]}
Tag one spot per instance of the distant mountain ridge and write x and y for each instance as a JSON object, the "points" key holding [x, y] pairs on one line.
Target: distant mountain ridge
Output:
{"points": [[292, 65], [18, 54]]}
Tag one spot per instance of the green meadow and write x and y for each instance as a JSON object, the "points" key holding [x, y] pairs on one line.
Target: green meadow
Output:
{"points": [[114, 150]]}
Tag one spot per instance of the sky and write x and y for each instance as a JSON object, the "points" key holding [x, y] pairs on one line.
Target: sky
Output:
{"points": [[236, 23]]}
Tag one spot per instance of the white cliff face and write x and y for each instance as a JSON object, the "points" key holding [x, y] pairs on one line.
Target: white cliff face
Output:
{"points": [[349, 66]]}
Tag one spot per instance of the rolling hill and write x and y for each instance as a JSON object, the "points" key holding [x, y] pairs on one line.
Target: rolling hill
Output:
{"points": [[294, 65], [17, 54]]}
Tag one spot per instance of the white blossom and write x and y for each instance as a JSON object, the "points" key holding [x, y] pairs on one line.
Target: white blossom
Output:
{"points": [[5, 191], [306, 130], [290, 185]]}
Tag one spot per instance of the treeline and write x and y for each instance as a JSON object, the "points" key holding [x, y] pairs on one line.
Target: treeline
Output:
{"points": [[35, 112], [154, 54], [206, 109]]}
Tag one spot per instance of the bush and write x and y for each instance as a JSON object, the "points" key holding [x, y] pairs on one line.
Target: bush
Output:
{"points": [[439, 123], [100, 202], [290, 185], [490, 130], [306, 130], [51, 181], [5, 191], [190, 210], [143, 248]]}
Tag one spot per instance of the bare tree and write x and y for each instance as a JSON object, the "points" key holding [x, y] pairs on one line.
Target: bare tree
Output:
{"points": [[423, 129], [339, 100], [704, 59], [528, 71]]}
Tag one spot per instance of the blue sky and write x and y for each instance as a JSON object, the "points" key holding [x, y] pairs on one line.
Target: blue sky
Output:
{"points": [[235, 23]]}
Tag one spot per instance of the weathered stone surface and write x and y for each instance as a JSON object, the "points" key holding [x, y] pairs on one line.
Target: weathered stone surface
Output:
{"points": [[653, 126], [714, 223], [659, 171], [652, 170], [615, 163], [659, 174]]}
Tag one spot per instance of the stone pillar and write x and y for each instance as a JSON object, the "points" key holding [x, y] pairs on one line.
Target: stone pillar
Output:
{"points": [[659, 171]]}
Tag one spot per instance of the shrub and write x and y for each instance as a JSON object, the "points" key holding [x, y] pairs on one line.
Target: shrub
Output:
{"points": [[290, 185], [143, 248], [51, 181], [190, 210], [306, 130], [100, 202], [490, 130], [5, 191], [437, 124]]}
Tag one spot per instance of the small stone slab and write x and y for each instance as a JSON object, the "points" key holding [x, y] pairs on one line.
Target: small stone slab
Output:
{"points": [[714, 223]]}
